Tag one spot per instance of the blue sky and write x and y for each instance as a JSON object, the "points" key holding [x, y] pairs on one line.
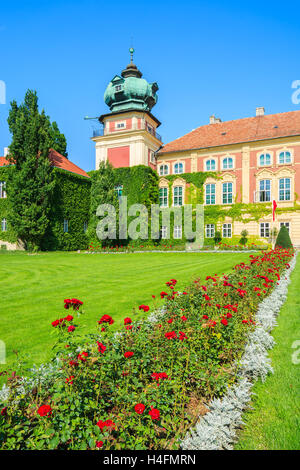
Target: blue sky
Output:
{"points": [[210, 57]]}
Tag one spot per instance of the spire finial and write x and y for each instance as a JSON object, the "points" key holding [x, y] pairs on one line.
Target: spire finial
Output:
{"points": [[131, 51]]}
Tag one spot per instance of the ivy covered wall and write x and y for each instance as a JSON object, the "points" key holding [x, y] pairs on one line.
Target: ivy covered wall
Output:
{"points": [[8, 235], [70, 201]]}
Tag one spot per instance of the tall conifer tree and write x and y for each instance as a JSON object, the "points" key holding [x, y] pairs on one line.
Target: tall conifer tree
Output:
{"points": [[31, 182]]}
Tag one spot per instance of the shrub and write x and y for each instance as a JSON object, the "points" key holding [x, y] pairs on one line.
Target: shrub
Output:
{"points": [[217, 237], [244, 239], [283, 238]]}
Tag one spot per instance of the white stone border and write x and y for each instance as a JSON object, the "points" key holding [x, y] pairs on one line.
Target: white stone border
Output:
{"points": [[217, 429]]}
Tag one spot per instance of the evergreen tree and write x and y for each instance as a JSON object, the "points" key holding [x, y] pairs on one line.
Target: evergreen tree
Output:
{"points": [[283, 238], [59, 142], [30, 183], [102, 192]]}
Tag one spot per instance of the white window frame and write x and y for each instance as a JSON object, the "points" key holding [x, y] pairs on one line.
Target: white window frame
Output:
{"points": [[3, 225], [163, 169], [264, 229], [179, 164], [164, 198], [178, 196], [3, 194], [227, 193], [210, 195], [284, 153], [227, 167], [226, 229], [152, 157], [264, 155], [285, 189], [286, 224], [209, 230], [120, 125], [164, 232], [264, 191], [66, 226], [209, 162], [177, 233]]}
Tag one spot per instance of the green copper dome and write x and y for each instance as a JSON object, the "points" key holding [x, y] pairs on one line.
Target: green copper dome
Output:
{"points": [[130, 91]]}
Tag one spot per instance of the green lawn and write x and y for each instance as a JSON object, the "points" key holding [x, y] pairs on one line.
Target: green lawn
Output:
{"points": [[275, 421], [33, 288]]}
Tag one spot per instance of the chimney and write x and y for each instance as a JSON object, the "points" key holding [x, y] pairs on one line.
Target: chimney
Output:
{"points": [[5, 151], [260, 111], [214, 120]]}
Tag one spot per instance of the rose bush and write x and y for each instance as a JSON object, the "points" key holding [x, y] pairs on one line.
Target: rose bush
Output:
{"points": [[143, 387]]}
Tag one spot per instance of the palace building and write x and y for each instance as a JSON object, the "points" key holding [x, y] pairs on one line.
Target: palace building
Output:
{"points": [[249, 162], [239, 170]]}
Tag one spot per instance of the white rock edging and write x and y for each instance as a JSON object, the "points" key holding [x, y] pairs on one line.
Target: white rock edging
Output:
{"points": [[217, 429]]}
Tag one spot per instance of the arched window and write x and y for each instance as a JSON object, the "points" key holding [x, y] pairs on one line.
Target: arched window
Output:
{"points": [[284, 157], [178, 168], [163, 170], [227, 163], [210, 165], [265, 159]]}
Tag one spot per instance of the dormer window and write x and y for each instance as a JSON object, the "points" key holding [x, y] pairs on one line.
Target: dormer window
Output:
{"points": [[118, 87], [120, 125]]}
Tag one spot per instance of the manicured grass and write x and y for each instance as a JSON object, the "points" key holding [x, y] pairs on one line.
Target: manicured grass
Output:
{"points": [[33, 288], [275, 421]]}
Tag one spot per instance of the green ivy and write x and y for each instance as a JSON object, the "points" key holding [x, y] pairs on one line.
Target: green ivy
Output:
{"points": [[9, 235], [71, 201]]}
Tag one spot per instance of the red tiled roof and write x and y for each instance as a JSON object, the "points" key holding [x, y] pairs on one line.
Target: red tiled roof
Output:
{"points": [[3, 161], [269, 126], [59, 161]]}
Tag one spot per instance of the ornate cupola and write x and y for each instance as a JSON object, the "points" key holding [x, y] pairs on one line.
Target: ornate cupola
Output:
{"points": [[129, 134], [130, 90]]}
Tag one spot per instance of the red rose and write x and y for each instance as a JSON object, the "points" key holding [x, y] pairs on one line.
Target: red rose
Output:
{"points": [[68, 318], [99, 444], [127, 321], [224, 322], [4, 411], [171, 335], [154, 413], [182, 336], [69, 380], [55, 323], [106, 319], [82, 356], [45, 410], [73, 363], [101, 347], [139, 408], [71, 328], [183, 318], [106, 424], [163, 294], [128, 354]]}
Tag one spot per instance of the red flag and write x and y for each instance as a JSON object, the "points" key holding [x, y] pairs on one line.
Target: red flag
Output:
{"points": [[274, 209]]}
